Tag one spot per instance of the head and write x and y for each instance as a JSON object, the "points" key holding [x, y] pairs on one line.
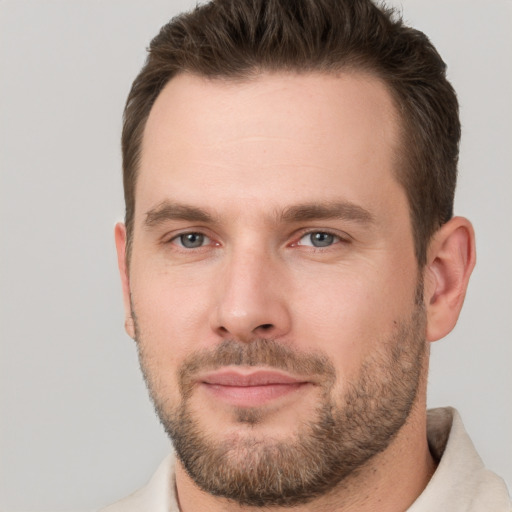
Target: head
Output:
{"points": [[289, 248]]}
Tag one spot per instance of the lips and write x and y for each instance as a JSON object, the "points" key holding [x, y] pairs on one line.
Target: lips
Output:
{"points": [[259, 378], [250, 389]]}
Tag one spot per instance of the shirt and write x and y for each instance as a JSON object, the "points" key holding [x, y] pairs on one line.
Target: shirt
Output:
{"points": [[461, 483]]}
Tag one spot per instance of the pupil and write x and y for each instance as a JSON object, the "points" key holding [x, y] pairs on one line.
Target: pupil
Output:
{"points": [[322, 239], [192, 240]]}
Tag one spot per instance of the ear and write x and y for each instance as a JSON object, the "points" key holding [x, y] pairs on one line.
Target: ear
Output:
{"points": [[120, 237], [450, 260]]}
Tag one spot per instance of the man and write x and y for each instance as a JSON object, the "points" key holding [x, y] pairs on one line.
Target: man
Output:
{"points": [[289, 252]]}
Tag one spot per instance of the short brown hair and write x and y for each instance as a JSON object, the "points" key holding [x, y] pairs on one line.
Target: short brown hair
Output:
{"points": [[241, 38]]}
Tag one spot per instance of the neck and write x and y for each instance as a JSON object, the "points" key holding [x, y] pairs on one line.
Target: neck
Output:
{"points": [[389, 482]]}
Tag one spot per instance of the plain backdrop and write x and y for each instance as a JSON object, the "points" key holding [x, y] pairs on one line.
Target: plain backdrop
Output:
{"points": [[77, 429]]}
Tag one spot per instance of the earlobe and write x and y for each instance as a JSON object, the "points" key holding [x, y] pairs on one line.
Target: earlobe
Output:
{"points": [[120, 238], [450, 261]]}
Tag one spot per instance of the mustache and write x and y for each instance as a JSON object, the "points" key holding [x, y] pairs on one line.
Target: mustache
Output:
{"points": [[258, 352]]}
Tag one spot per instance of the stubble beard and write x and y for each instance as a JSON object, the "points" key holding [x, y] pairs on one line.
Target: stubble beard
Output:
{"points": [[339, 440]]}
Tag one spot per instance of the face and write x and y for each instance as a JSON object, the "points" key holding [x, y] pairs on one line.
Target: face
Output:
{"points": [[273, 283]]}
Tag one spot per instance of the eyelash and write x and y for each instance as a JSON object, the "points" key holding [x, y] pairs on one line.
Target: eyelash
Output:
{"points": [[338, 239], [183, 248]]}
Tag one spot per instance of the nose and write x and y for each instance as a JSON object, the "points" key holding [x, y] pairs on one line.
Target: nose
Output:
{"points": [[250, 298]]}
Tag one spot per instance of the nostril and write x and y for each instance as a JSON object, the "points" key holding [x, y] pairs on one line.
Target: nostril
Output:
{"points": [[266, 327]]}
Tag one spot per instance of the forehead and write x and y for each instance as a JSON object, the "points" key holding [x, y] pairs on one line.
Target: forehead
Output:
{"points": [[279, 134]]}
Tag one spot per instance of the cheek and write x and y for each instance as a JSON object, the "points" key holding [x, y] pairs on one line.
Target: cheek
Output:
{"points": [[172, 317], [348, 315]]}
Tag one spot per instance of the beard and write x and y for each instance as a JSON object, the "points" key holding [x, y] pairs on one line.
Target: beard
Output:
{"points": [[343, 434]]}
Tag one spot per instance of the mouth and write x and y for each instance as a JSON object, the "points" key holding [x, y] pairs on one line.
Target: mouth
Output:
{"points": [[250, 389]]}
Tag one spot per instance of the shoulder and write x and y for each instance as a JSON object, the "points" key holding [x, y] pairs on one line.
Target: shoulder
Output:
{"points": [[157, 495], [461, 481]]}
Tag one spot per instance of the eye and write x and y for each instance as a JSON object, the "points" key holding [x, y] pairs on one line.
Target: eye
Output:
{"points": [[191, 240], [318, 239]]}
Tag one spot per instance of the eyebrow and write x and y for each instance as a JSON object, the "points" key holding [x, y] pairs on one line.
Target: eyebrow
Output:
{"points": [[345, 210], [174, 211]]}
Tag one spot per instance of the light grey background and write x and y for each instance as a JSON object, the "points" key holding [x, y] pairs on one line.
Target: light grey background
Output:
{"points": [[77, 430]]}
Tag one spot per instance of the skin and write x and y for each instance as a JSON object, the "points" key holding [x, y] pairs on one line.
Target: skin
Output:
{"points": [[244, 153]]}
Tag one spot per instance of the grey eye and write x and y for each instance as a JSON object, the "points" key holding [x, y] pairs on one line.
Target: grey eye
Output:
{"points": [[318, 239], [191, 240]]}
